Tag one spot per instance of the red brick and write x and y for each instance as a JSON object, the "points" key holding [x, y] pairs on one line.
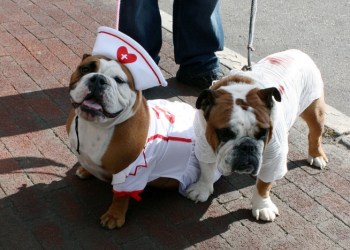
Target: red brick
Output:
{"points": [[20, 146], [41, 76], [239, 237], [336, 183], [337, 231], [225, 192], [63, 52], [81, 48], [308, 183], [6, 88], [43, 19], [9, 68], [301, 202], [65, 35], [23, 84], [85, 20], [215, 242], [45, 108], [57, 14], [339, 207], [11, 227], [39, 31], [3, 51], [21, 55], [6, 39], [30, 42]]}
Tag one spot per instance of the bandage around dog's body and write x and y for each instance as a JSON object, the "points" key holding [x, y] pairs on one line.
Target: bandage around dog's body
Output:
{"points": [[249, 114]]}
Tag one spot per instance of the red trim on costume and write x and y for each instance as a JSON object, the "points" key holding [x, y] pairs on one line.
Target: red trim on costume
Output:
{"points": [[154, 72], [140, 166], [168, 138], [133, 194], [169, 116]]}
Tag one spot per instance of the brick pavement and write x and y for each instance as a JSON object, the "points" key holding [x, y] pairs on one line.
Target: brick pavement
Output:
{"points": [[44, 206]]}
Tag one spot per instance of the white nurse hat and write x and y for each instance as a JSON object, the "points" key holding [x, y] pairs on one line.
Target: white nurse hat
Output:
{"points": [[116, 45]]}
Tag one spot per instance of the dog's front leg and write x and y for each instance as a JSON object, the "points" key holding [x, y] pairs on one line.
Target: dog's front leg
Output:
{"points": [[203, 188], [262, 206], [115, 215]]}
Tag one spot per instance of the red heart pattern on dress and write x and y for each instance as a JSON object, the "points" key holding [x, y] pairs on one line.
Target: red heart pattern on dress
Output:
{"points": [[124, 56]]}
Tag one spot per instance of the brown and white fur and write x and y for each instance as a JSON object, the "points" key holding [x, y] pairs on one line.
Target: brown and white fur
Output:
{"points": [[110, 111], [248, 113]]}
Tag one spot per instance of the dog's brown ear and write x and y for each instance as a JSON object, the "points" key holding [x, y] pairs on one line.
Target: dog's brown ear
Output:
{"points": [[205, 101], [85, 56], [205, 98], [267, 94]]}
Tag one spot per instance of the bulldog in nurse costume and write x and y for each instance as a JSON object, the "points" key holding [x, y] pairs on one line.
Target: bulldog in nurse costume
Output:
{"points": [[247, 116], [120, 137]]}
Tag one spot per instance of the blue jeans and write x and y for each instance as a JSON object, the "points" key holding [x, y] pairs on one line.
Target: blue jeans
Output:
{"points": [[197, 32]]}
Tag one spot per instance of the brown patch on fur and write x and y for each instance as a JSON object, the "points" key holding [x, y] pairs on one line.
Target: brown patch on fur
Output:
{"points": [[91, 62], [227, 80], [129, 76], [128, 139], [240, 102], [219, 116], [262, 112], [115, 215], [263, 188]]}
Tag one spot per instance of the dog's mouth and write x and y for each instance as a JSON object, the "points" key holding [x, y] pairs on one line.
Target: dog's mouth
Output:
{"points": [[94, 107]]}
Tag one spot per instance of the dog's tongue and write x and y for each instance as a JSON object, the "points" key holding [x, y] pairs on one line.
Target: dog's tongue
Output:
{"points": [[92, 104]]}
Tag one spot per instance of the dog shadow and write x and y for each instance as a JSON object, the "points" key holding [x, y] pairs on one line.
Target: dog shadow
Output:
{"points": [[65, 213]]}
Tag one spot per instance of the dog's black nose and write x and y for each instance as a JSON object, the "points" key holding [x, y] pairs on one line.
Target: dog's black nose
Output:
{"points": [[97, 83], [247, 147], [98, 80]]}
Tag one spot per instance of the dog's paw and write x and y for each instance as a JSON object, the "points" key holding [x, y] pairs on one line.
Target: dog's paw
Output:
{"points": [[82, 173], [199, 191], [263, 208], [112, 220], [319, 162]]}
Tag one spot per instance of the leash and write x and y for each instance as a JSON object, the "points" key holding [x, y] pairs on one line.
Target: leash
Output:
{"points": [[250, 48], [117, 14], [77, 133]]}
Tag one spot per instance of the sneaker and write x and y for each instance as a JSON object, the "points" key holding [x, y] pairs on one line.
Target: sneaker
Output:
{"points": [[202, 82]]}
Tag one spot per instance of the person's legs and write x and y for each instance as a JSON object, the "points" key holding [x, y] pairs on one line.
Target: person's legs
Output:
{"points": [[198, 34], [140, 19]]}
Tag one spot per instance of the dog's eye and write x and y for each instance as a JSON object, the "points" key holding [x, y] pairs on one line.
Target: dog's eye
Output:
{"points": [[262, 134], [88, 68], [119, 80], [225, 134], [84, 69]]}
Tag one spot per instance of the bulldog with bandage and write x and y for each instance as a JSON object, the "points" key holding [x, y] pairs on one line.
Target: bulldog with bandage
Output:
{"points": [[246, 118]]}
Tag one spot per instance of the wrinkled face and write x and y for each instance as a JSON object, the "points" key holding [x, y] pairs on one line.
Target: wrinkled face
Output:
{"points": [[238, 123], [101, 89]]}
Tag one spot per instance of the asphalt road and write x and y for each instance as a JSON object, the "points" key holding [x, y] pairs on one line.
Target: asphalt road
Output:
{"points": [[321, 28]]}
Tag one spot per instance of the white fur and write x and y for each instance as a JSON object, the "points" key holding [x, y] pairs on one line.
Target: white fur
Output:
{"points": [[263, 208], [317, 162], [116, 96], [93, 144], [95, 135], [300, 83], [203, 188]]}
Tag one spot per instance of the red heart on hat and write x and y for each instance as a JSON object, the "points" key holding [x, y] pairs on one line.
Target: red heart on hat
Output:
{"points": [[124, 56]]}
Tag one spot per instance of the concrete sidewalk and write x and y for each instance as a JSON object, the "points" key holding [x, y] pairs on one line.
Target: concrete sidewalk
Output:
{"points": [[44, 206]]}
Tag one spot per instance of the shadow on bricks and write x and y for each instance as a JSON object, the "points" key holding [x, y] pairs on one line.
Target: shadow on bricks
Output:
{"points": [[65, 213], [33, 111]]}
